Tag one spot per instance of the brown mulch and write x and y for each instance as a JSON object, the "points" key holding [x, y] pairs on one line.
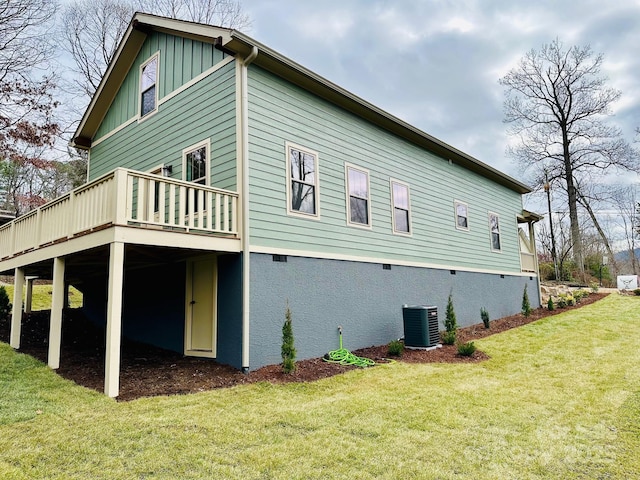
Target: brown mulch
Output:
{"points": [[150, 371]]}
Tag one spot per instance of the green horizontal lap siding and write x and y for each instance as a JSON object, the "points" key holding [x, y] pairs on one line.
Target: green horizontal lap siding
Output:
{"points": [[181, 60], [280, 112], [206, 110]]}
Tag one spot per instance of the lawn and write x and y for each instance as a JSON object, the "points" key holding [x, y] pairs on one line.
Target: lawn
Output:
{"points": [[559, 399], [41, 298]]}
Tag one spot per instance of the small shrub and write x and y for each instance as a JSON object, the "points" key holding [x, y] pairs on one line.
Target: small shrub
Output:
{"points": [[550, 305], [594, 287], [395, 348], [5, 304], [571, 300], [450, 323], [484, 315], [466, 349], [449, 338], [526, 306], [288, 350], [562, 302], [580, 294], [636, 292]]}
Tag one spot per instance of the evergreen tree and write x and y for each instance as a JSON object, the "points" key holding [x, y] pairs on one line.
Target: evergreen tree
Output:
{"points": [[288, 349], [526, 306]]}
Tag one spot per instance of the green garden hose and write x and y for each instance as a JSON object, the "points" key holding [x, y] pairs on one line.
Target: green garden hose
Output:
{"points": [[345, 357]]}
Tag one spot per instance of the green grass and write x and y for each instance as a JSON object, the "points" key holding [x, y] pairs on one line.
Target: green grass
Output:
{"points": [[559, 399], [41, 299]]}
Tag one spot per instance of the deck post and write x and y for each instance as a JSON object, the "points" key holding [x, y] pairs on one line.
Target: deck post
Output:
{"points": [[57, 305], [16, 317], [28, 301], [114, 320]]}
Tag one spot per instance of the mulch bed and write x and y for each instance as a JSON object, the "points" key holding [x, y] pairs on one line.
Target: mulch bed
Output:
{"points": [[150, 371]]}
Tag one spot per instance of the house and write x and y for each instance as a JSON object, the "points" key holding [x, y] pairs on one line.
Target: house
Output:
{"points": [[226, 182]]}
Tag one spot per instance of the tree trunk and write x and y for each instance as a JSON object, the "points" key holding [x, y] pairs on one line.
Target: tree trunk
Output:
{"points": [[576, 238], [585, 204]]}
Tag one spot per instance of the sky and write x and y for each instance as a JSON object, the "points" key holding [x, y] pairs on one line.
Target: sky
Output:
{"points": [[436, 64]]}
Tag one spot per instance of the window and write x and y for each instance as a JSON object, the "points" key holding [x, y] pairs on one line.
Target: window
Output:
{"points": [[148, 84], [302, 172], [462, 215], [400, 205], [359, 213], [195, 166], [494, 226]]}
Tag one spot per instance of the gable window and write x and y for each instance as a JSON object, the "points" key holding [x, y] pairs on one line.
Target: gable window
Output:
{"points": [[494, 227], [359, 212], [400, 205], [462, 215], [148, 86], [302, 173], [195, 166]]}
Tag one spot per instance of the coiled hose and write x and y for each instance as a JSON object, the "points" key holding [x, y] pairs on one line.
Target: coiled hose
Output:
{"points": [[345, 357]]}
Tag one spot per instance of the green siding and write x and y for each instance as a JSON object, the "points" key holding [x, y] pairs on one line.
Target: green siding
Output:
{"points": [[206, 110], [181, 60], [280, 112]]}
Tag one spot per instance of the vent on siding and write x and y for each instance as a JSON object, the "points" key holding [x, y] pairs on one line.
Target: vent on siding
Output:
{"points": [[452, 272], [280, 258], [386, 266]]}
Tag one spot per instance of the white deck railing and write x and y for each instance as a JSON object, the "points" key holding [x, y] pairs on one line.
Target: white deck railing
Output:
{"points": [[123, 197]]}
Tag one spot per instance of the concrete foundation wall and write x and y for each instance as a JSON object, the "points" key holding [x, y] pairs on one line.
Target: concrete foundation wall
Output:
{"points": [[365, 299]]}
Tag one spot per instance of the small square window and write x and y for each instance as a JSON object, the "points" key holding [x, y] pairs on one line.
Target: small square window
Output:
{"points": [[302, 173], [461, 211]]}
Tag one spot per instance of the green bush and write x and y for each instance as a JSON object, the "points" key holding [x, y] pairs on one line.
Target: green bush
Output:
{"points": [[484, 315], [594, 287], [5, 304], [450, 323], [288, 350], [466, 349], [562, 302], [526, 306], [395, 348], [550, 305], [449, 338], [636, 292]]}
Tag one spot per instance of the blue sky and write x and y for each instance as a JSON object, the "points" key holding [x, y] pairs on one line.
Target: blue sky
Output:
{"points": [[436, 64]]}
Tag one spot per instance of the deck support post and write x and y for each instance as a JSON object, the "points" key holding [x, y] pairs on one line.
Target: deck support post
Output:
{"points": [[28, 301], [16, 317], [57, 305], [114, 320]]}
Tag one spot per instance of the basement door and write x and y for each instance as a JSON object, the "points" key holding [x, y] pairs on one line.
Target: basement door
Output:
{"points": [[201, 300]]}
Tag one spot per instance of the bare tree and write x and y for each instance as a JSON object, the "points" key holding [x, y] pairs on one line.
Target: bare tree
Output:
{"points": [[27, 127], [92, 29], [556, 106]]}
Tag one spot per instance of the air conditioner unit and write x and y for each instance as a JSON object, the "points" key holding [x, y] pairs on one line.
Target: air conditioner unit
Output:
{"points": [[420, 326]]}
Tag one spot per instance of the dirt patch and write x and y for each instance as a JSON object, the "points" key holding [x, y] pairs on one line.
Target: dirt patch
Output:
{"points": [[150, 371]]}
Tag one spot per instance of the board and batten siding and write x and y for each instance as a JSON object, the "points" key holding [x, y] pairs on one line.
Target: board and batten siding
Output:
{"points": [[205, 110], [280, 112], [180, 61]]}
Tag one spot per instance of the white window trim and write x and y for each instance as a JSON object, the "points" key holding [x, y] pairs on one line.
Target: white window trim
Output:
{"points": [[155, 56], [489, 215], [393, 208], [186, 151], [455, 215], [290, 211], [348, 166]]}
